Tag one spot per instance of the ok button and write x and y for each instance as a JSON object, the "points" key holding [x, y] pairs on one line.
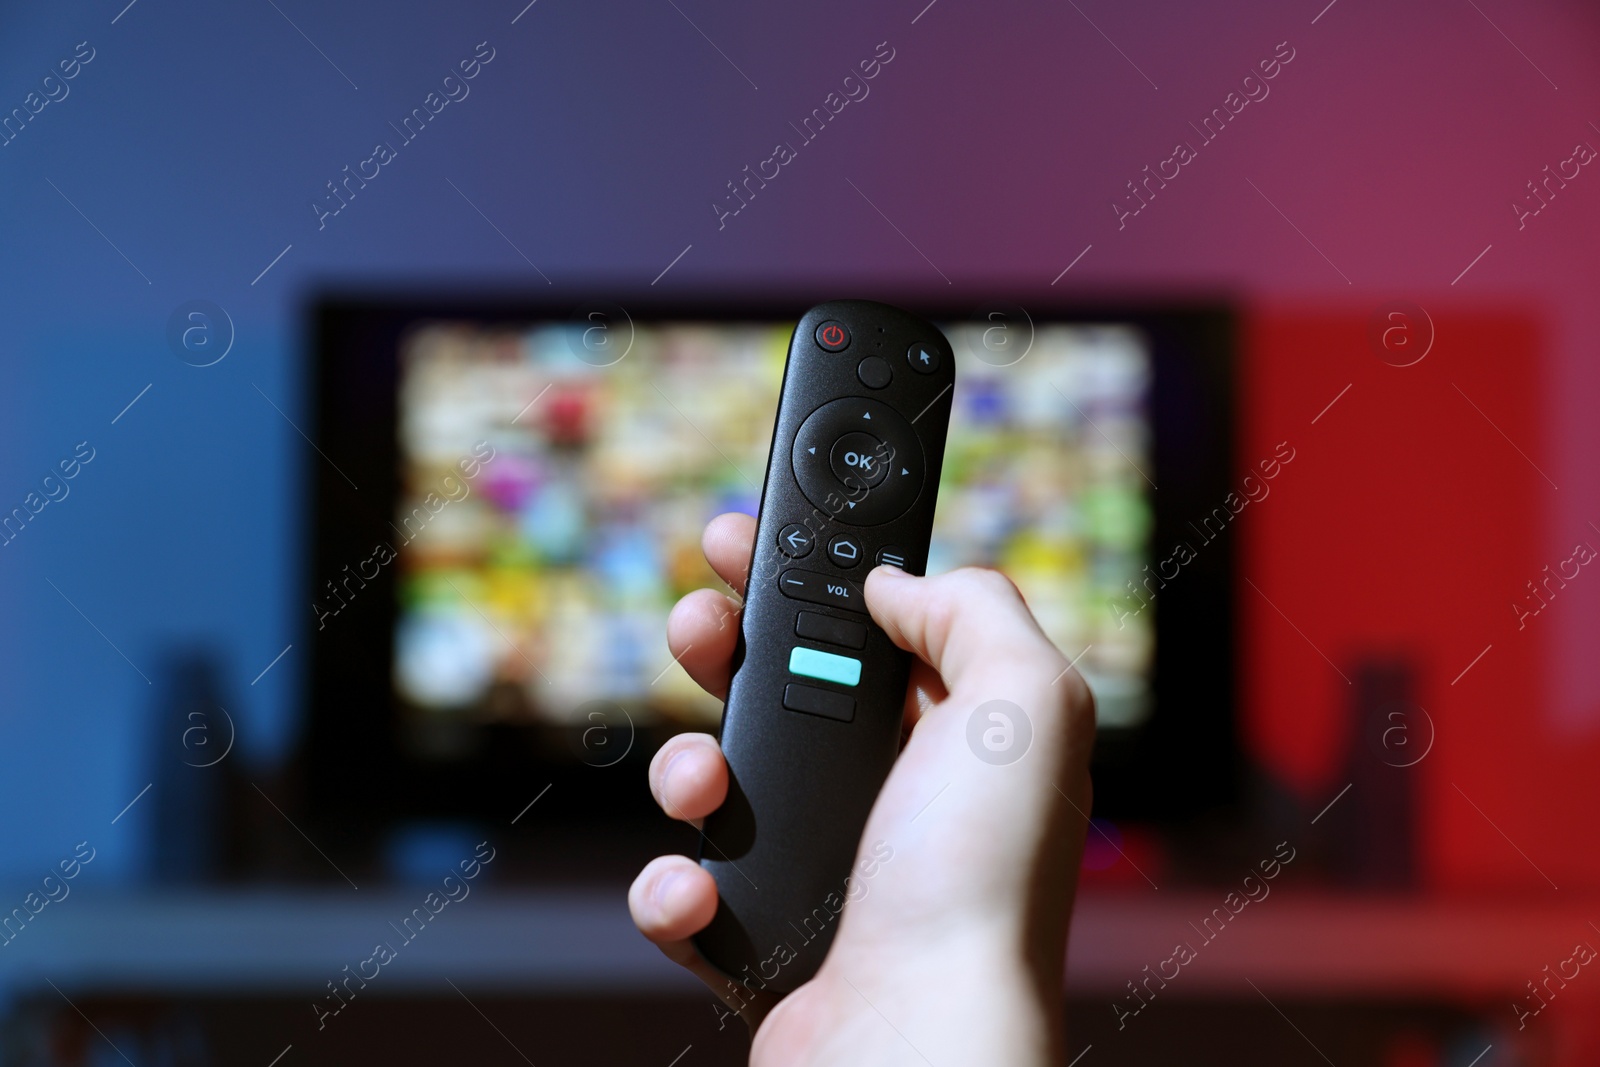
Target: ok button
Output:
{"points": [[860, 460]]}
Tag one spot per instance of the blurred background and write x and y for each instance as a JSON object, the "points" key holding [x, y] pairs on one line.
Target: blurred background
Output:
{"points": [[1378, 243]]}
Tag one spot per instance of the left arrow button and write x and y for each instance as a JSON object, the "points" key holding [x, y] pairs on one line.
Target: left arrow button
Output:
{"points": [[795, 541]]}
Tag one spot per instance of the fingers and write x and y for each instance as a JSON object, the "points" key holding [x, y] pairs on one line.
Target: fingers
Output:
{"points": [[672, 899], [689, 778], [959, 622], [701, 634], [727, 543], [703, 628]]}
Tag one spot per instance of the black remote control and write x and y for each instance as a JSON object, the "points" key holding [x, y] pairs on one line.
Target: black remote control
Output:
{"points": [[813, 717]]}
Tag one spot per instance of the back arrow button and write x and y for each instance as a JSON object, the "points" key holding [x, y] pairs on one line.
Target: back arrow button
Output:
{"points": [[795, 541]]}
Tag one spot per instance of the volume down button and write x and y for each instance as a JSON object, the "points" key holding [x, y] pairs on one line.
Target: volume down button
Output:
{"points": [[822, 589]]}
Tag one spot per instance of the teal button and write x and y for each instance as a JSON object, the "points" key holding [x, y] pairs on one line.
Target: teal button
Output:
{"points": [[841, 670]]}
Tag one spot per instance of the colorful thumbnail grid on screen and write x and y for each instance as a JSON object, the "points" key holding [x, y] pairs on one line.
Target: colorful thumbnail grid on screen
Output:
{"points": [[552, 503]]}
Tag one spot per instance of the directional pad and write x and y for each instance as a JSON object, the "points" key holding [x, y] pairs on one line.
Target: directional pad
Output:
{"points": [[859, 460]]}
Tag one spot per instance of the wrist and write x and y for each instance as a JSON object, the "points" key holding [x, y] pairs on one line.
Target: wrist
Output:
{"points": [[966, 994]]}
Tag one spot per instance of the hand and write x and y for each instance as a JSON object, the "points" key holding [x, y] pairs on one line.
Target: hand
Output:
{"points": [[955, 953]]}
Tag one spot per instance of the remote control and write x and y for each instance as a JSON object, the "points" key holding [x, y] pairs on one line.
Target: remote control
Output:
{"points": [[813, 717]]}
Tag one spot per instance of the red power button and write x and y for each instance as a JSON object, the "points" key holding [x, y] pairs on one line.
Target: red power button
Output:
{"points": [[832, 336]]}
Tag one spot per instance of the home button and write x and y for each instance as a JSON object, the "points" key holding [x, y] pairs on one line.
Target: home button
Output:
{"points": [[845, 551]]}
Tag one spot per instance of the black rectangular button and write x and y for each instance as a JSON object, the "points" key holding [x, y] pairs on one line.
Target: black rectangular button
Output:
{"points": [[834, 631], [815, 701], [822, 589]]}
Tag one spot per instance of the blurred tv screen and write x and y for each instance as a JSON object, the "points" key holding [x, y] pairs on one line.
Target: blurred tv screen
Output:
{"points": [[552, 493]]}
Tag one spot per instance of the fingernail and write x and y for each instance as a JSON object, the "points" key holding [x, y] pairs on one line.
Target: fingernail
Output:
{"points": [[889, 569], [666, 772], [663, 886]]}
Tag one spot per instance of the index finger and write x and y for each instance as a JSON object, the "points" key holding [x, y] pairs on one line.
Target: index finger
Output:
{"points": [[728, 542]]}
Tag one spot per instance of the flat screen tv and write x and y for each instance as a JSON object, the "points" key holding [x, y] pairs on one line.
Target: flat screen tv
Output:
{"points": [[508, 497]]}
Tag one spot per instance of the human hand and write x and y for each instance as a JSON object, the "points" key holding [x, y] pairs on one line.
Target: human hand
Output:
{"points": [[957, 947]]}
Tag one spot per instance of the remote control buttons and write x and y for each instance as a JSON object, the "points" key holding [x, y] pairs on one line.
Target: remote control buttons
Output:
{"points": [[795, 541], [824, 666], [893, 556], [880, 482], [860, 460], [924, 359], [832, 336], [823, 702], [844, 550], [874, 372], [819, 627], [822, 589]]}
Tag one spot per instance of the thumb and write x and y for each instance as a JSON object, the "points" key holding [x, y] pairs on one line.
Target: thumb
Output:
{"points": [[971, 625], [1020, 810]]}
